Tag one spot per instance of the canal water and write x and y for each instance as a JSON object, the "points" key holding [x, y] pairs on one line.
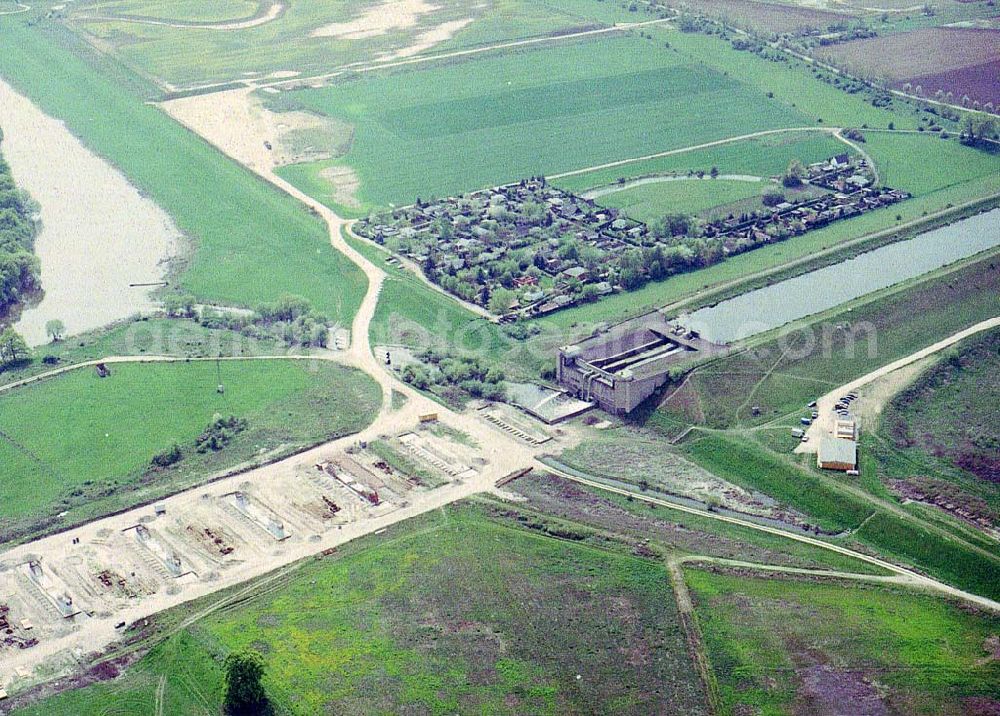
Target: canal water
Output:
{"points": [[773, 306]]}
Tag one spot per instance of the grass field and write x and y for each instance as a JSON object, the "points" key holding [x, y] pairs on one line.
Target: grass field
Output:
{"points": [[154, 336], [252, 243], [181, 10], [649, 202], [90, 440], [779, 646], [923, 163], [446, 129], [449, 613], [760, 156]]}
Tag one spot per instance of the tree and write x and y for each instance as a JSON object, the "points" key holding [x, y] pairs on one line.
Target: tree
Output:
{"points": [[244, 690], [794, 173], [12, 347], [500, 300], [772, 197], [56, 329]]}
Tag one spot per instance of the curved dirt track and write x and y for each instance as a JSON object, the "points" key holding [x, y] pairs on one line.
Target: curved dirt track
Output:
{"points": [[262, 17]]}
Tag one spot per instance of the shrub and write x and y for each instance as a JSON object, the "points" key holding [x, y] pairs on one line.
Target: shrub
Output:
{"points": [[168, 457]]}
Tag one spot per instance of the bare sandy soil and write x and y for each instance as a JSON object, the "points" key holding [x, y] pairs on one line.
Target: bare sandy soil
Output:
{"points": [[394, 15], [344, 183], [237, 122], [98, 233], [378, 20], [429, 38]]}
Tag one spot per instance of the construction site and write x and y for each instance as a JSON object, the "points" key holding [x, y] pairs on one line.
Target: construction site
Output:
{"points": [[620, 368], [92, 582]]}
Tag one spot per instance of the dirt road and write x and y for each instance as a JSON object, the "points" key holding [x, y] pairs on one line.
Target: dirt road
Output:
{"points": [[823, 426], [912, 578]]}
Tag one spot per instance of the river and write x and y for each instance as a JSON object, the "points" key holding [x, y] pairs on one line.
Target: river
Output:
{"points": [[98, 235], [774, 306]]}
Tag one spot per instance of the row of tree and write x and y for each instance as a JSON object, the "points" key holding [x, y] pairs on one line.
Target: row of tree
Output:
{"points": [[19, 266]]}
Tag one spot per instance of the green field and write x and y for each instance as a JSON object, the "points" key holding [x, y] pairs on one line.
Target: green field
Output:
{"points": [[180, 10], [779, 646], [186, 57], [761, 156], [450, 613], [154, 336], [444, 129], [251, 242], [924, 163], [89, 441], [649, 202]]}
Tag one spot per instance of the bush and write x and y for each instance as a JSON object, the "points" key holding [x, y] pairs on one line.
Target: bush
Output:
{"points": [[219, 432], [772, 198], [168, 457]]}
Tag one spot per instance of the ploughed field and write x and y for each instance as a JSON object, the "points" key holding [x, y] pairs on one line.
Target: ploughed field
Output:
{"points": [[763, 17], [955, 61]]}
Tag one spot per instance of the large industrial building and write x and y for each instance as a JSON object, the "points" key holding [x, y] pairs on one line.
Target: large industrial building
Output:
{"points": [[623, 366]]}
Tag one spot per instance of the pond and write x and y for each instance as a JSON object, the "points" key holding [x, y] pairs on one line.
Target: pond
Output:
{"points": [[773, 306], [99, 237]]}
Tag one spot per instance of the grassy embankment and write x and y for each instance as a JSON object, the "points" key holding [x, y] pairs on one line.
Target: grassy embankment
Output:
{"points": [[594, 516], [781, 645], [83, 444], [450, 612], [943, 427], [251, 242], [145, 337]]}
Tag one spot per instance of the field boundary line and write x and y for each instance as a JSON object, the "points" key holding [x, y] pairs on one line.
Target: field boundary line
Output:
{"points": [[916, 579], [692, 148], [694, 637]]}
